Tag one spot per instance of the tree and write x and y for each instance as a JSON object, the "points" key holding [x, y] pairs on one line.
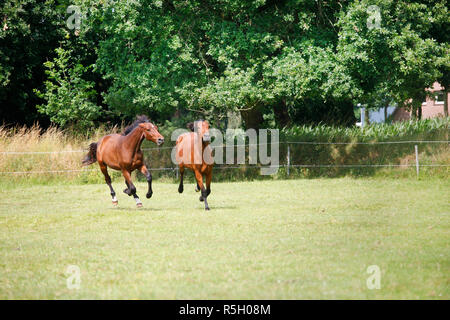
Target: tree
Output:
{"points": [[274, 62], [69, 98], [210, 58], [444, 78], [398, 58], [29, 32]]}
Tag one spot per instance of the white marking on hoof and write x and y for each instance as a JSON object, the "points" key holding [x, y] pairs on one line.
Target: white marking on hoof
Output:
{"points": [[138, 202]]}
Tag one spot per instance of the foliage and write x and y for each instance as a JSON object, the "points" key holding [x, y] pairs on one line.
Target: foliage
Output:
{"points": [[29, 32], [375, 132], [283, 63], [399, 58], [69, 98]]}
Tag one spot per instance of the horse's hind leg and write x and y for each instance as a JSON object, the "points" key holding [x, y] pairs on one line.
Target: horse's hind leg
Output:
{"points": [[180, 187], [131, 190], [104, 170], [148, 175]]}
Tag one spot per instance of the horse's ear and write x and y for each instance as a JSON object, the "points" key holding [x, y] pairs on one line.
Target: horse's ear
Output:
{"points": [[190, 126]]}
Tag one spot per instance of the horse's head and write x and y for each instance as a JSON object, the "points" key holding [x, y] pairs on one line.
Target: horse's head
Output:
{"points": [[151, 133], [202, 129]]}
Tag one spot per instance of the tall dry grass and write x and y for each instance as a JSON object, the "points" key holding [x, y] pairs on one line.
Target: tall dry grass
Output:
{"points": [[45, 153], [32, 149]]}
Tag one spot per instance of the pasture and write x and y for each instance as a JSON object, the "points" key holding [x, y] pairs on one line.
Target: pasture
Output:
{"points": [[294, 239]]}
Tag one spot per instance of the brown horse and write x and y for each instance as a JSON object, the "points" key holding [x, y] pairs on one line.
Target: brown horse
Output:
{"points": [[190, 153], [123, 152]]}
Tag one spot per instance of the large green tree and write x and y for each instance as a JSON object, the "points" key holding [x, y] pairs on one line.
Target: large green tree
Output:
{"points": [[274, 62], [211, 57], [30, 30], [398, 56]]}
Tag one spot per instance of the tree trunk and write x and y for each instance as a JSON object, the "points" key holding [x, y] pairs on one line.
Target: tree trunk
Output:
{"points": [[416, 109], [385, 114], [366, 116], [252, 118], [413, 111], [446, 91], [281, 114]]}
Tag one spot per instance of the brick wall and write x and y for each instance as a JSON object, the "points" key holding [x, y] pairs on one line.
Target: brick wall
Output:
{"points": [[430, 108]]}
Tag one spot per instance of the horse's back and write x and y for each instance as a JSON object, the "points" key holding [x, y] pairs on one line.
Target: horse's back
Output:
{"points": [[107, 150], [108, 141]]}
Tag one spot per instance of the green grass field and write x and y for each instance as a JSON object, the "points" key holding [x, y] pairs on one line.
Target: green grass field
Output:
{"points": [[296, 239]]}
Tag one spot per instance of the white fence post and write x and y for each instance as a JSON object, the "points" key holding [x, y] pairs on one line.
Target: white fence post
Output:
{"points": [[288, 159], [417, 159], [363, 117]]}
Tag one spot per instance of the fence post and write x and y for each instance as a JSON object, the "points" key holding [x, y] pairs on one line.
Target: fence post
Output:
{"points": [[363, 117], [417, 159], [288, 159]]}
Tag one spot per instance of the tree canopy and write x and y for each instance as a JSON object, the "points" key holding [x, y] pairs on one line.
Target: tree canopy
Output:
{"points": [[276, 63]]}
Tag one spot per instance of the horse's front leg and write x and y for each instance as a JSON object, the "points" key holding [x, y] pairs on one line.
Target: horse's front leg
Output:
{"points": [[148, 175], [208, 180], [131, 190], [199, 178]]}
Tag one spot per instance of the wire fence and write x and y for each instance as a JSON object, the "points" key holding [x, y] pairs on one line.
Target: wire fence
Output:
{"points": [[287, 157], [245, 145]]}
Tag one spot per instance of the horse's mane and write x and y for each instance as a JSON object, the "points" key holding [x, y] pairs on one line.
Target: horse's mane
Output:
{"points": [[139, 119]]}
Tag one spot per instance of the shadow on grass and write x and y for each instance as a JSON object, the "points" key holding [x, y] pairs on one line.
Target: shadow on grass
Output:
{"points": [[136, 209], [223, 207]]}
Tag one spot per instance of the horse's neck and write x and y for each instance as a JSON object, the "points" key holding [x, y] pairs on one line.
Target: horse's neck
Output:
{"points": [[134, 139], [204, 144]]}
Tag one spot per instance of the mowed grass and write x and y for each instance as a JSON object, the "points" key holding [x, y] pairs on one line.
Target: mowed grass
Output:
{"points": [[296, 239]]}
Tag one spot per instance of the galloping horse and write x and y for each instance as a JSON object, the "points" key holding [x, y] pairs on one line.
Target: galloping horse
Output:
{"points": [[188, 148], [123, 152]]}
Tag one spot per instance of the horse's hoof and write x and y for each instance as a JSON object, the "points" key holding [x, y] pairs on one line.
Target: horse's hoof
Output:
{"points": [[139, 205], [180, 190], [207, 209], [149, 195], [115, 203], [197, 189], [201, 199]]}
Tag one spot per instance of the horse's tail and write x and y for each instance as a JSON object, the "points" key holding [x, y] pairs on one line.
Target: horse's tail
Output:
{"points": [[91, 157]]}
